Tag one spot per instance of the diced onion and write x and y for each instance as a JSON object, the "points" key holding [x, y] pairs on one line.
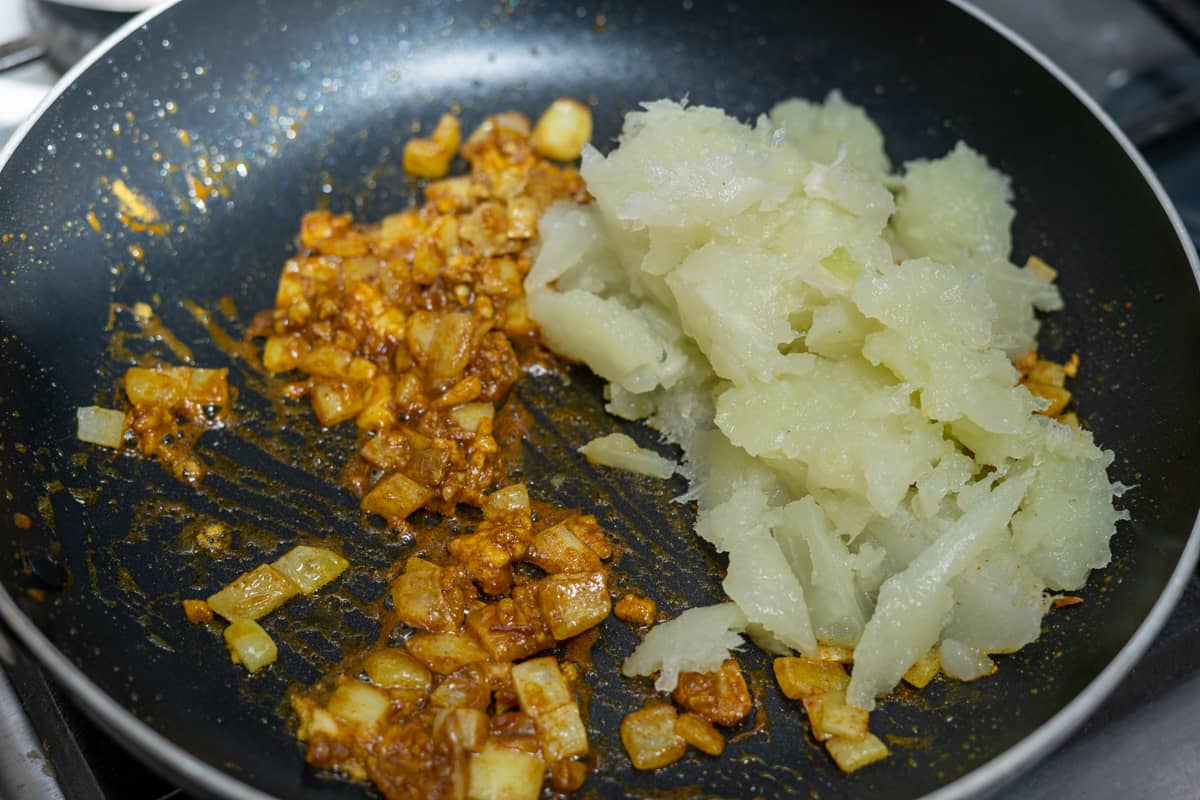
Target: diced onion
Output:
{"points": [[498, 773], [102, 426], [650, 738], [254, 594], [250, 645], [563, 129], [620, 451], [310, 568]]}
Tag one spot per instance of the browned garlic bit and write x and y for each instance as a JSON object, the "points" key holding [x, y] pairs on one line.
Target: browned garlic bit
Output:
{"points": [[1047, 380], [636, 610]]}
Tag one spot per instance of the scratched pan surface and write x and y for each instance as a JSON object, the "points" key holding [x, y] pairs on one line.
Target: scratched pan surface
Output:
{"points": [[287, 105]]}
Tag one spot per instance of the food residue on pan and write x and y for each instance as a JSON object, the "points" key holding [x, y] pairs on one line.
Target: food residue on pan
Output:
{"points": [[844, 354], [133, 204], [193, 174], [135, 211]]}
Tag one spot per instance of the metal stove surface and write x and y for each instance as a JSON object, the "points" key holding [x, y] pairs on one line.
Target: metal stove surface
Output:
{"points": [[1144, 742]]}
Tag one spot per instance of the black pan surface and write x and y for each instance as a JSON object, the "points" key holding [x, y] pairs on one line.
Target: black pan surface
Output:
{"points": [[290, 104]]}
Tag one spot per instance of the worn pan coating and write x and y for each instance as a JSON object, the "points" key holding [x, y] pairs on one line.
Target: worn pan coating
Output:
{"points": [[314, 99]]}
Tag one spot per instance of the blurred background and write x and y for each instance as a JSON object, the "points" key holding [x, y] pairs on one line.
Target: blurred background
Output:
{"points": [[1139, 59]]}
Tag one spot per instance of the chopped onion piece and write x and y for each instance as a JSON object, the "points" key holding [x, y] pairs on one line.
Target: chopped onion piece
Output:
{"points": [[851, 754], [310, 568], [650, 738], [620, 451], [498, 773], [254, 594], [102, 426], [249, 645]]}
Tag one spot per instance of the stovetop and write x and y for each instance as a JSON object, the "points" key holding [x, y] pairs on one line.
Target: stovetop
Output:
{"points": [[1145, 740]]}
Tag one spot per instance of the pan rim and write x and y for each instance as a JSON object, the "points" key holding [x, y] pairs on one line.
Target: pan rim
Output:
{"points": [[165, 754]]}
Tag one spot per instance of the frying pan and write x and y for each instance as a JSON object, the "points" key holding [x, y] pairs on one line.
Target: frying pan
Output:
{"points": [[288, 105]]}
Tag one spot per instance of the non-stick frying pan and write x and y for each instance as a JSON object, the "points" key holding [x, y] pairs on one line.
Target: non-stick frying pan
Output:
{"points": [[291, 104]]}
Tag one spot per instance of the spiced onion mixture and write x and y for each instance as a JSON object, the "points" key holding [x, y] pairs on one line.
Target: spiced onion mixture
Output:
{"points": [[407, 326], [404, 326]]}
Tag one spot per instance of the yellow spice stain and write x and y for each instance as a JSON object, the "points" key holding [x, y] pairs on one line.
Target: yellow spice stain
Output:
{"points": [[198, 191], [156, 228], [134, 205], [94, 222], [150, 328], [220, 337]]}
